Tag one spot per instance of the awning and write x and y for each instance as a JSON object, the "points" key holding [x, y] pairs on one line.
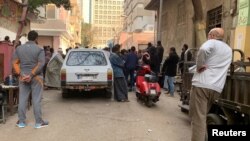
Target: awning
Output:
{"points": [[153, 5]]}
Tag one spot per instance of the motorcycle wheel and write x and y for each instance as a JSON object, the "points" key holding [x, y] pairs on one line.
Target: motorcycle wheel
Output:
{"points": [[149, 102]]}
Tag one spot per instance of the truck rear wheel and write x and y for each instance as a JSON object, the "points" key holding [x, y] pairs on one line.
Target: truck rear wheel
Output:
{"points": [[214, 119]]}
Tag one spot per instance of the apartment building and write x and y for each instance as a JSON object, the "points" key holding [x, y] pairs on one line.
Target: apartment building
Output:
{"points": [[107, 21], [138, 26], [60, 28]]}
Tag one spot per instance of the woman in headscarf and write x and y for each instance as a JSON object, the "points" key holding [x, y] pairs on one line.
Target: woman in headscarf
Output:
{"points": [[120, 85], [52, 77]]}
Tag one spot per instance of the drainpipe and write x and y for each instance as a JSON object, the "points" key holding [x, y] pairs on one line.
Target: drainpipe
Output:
{"points": [[160, 20]]}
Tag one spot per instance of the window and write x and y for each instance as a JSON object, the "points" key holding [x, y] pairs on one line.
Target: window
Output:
{"points": [[100, 7], [86, 58], [51, 11], [114, 7], [96, 11], [105, 12], [109, 22], [114, 2], [96, 16], [109, 12], [214, 18], [96, 21]]}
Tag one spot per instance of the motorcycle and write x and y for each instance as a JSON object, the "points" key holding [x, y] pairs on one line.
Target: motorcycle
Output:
{"points": [[147, 86]]}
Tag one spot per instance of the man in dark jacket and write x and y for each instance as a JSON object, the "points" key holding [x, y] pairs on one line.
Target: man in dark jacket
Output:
{"points": [[189, 57], [170, 69], [154, 60], [160, 50], [131, 64]]}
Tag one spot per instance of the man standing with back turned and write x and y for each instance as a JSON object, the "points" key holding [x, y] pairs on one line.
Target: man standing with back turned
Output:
{"points": [[213, 60], [28, 63]]}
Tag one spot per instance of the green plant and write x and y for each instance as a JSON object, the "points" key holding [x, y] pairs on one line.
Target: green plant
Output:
{"points": [[34, 4]]}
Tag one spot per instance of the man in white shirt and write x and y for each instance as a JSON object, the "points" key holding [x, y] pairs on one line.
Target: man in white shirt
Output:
{"points": [[213, 60]]}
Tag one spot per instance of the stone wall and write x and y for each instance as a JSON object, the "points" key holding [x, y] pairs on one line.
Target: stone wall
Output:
{"points": [[178, 26]]}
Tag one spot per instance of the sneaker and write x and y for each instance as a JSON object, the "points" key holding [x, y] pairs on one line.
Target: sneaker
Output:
{"points": [[41, 125], [167, 92], [170, 95], [20, 124]]}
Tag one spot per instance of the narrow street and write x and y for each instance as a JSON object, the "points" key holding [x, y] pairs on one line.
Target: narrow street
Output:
{"points": [[82, 118]]}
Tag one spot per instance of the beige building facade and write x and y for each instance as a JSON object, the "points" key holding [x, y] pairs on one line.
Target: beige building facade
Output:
{"points": [[59, 28], [107, 21]]}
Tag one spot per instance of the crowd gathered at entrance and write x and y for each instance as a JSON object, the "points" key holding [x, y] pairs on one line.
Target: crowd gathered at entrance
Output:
{"points": [[32, 65]]}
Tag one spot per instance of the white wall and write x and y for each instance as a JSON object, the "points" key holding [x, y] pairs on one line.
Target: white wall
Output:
{"points": [[4, 32]]}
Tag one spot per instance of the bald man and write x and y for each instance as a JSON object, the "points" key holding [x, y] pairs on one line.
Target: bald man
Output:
{"points": [[213, 60]]}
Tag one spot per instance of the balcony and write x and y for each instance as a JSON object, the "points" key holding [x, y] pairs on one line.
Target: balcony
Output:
{"points": [[52, 28], [153, 5]]}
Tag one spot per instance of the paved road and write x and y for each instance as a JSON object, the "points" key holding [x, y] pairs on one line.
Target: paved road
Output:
{"points": [[97, 119]]}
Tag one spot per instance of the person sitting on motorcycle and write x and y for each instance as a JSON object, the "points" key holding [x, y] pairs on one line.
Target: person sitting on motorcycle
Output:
{"points": [[145, 60]]}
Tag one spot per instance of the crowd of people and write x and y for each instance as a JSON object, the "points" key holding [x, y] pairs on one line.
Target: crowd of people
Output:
{"points": [[125, 63], [213, 60]]}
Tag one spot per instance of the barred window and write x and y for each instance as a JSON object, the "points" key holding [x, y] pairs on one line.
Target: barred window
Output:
{"points": [[214, 18]]}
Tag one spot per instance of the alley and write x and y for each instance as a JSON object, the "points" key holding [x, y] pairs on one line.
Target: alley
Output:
{"points": [[95, 118]]}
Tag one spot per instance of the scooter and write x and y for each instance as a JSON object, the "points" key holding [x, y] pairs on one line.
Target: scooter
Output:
{"points": [[147, 86]]}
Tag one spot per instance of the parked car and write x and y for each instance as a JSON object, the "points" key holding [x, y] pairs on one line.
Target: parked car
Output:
{"points": [[86, 70]]}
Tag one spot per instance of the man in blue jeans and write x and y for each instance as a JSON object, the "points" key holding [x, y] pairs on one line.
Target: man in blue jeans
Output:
{"points": [[169, 69], [131, 64]]}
